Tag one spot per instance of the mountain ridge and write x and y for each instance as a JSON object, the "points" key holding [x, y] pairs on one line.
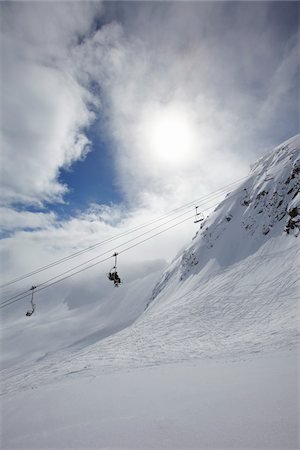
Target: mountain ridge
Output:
{"points": [[266, 203]]}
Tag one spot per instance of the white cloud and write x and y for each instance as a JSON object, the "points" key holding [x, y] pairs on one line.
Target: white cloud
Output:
{"points": [[44, 110], [195, 65], [137, 92], [283, 87], [43, 116], [46, 30], [12, 220]]}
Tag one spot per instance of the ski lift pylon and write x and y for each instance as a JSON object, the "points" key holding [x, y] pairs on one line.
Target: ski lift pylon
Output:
{"points": [[30, 312], [199, 217]]}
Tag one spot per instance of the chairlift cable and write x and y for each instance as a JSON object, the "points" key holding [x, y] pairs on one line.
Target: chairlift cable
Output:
{"points": [[218, 192], [96, 257], [46, 284]]}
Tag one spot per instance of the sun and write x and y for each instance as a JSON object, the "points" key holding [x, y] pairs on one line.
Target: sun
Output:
{"points": [[169, 136]]}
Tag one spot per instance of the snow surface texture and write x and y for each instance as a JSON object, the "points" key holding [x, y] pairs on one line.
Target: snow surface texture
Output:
{"points": [[232, 297], [196, 405]]}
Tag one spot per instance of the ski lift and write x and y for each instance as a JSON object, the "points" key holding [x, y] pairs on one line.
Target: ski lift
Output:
{"points": [[30, 312], [113, 274], [199, 217]]}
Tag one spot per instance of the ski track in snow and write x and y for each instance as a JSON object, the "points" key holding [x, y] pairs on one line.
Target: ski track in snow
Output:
{"points": [[233, 315]]}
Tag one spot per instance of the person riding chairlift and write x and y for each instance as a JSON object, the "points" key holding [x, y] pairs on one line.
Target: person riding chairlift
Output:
{"points": [[113, 276]]}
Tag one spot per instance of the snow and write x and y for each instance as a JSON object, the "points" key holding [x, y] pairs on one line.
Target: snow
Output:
{"points": [[73, 316], [204, 358], [196, 404]]}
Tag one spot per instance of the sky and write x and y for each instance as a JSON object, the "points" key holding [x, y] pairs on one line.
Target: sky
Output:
{"points": [[113, 113]]}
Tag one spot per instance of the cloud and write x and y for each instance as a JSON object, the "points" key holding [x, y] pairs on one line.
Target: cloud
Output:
{"points": [[211, 64], [13, 220], [283, 89], [135, 91], [44, 115], [45, 30], [44, 110]]}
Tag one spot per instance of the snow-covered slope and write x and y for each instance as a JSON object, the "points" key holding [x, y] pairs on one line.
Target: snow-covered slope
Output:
{"points": [[223, 318], [233, 292], [263, 208], [233, 289]]}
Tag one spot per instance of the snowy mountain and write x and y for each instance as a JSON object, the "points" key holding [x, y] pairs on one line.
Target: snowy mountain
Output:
{"points": [[235, 289], [227, 305], [265, 207]]}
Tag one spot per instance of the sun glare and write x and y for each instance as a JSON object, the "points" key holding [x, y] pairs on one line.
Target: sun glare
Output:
{"points": [[169, 137]]}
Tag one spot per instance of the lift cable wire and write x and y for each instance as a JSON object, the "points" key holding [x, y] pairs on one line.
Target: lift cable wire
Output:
{"points": [[51, 281], [99, 256], [25, 293], [80, 252], [212, 195], [41, 286]]}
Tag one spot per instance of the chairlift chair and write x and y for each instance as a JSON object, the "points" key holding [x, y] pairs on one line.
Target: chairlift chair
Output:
{"points": [[199, 217], [30, 312], [113, 275]]}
